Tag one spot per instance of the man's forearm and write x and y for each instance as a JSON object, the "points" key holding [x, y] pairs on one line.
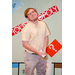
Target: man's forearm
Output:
{"points": [[29, 47], [45, 43]]}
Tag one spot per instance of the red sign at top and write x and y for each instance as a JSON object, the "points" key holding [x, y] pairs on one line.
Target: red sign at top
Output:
{"points": [[53, 48]]}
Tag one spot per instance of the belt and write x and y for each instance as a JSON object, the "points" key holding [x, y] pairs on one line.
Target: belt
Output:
{"points": [[32, 53]]}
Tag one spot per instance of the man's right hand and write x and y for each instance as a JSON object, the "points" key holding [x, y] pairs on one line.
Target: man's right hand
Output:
{"points": [[40, 53]]}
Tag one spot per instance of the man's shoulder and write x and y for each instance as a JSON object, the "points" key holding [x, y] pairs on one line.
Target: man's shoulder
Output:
{"points": [[27, 26], [41, 22]]}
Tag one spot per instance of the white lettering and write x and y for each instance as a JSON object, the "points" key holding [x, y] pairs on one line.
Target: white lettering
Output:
{"points": [[55, 8], [52, 47]]}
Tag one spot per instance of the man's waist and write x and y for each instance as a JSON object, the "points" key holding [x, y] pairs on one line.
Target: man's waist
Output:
{"points": [[31, 52]]}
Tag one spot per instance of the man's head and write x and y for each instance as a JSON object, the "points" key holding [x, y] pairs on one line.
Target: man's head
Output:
{"points": [[31, 14]]}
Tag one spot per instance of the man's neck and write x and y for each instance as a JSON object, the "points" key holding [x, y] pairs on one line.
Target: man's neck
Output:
{"points": [[35, 22]]}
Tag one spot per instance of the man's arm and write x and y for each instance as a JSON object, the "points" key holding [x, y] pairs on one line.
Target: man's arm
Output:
{"points": [[45, 45], [29, 47]]}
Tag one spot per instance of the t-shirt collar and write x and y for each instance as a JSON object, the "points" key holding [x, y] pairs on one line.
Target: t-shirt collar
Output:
{"points": [[34, 24]]}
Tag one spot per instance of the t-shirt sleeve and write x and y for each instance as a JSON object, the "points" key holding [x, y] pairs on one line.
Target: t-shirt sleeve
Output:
{"points": [[47, 31], [25, 33]]}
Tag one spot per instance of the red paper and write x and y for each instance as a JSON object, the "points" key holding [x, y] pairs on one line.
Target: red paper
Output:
{"points": [[53, 48]]}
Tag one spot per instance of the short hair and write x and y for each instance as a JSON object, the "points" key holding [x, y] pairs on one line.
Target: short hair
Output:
{"points": [[27, 10]]}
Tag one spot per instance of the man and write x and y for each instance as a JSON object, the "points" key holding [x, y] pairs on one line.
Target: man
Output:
{"points": [[34, 38]]}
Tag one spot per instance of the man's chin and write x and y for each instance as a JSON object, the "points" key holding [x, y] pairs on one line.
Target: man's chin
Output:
{"points": [[34, 20]]}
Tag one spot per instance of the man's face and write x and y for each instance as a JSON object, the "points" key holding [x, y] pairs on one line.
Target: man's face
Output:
{"points": [[32, 15]]}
